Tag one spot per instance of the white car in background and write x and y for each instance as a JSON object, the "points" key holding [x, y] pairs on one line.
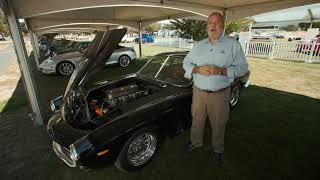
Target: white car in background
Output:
{"points": [[64, 64], [128, 38]]}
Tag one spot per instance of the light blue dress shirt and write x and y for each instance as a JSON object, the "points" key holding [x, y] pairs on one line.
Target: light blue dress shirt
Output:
{"points": [[226, 52]]}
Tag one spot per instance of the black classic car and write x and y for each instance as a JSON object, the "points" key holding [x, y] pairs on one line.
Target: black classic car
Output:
{"points": [[124, 118]]}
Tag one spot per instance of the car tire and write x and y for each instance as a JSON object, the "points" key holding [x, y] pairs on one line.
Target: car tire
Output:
{"points": [[145, 140], [235, 95], [124, 60], [65, 68]]}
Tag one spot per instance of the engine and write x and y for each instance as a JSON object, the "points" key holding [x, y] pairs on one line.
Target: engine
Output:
{"points": [[113, 98]]}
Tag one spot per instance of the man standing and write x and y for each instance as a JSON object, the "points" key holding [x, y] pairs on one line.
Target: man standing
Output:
{"points": [[213, 64]]}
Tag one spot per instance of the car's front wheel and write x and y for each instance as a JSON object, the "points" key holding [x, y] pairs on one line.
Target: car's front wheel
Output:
{"points": [[124, 60], [235, 95], [65, 68], [139, 150]]}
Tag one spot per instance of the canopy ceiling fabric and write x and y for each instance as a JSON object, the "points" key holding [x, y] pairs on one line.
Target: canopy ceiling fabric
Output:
{"points": [[45, 15], [73, 28]]}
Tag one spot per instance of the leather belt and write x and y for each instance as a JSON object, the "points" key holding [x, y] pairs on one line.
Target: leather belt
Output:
{"points": [[208, 91]]}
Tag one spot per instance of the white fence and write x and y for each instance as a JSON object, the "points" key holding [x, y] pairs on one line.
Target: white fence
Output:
{"points": [[174, 42], [296, 51]]}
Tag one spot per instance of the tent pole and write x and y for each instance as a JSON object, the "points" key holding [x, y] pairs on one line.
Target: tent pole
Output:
{"points": [[22, 55], [33, 43], [140, 39], [36, 41], [311, 17], [225, 16]]}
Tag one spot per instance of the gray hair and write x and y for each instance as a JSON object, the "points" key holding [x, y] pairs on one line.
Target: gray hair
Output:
{"points": [[217, 14]]}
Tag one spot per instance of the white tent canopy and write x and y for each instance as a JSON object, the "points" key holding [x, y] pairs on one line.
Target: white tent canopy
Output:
{"points": [[48, 14], [122, 15], [77, 27]]}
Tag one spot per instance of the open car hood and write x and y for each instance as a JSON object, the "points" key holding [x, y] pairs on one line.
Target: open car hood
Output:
{"points": [[93, 60]]}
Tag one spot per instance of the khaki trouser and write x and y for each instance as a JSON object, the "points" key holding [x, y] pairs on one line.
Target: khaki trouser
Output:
{"points": [[216, 106]]}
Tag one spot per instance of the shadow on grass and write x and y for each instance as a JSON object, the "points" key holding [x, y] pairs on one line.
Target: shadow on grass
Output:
{"points": [[271, 135], [17, 100]]}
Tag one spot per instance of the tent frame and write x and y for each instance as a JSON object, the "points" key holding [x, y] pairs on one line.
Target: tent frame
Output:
{"points": [[22, 55]]}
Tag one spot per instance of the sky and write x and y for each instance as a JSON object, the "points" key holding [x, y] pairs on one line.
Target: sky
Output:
{"points": [[296, 14], [291, 14]]}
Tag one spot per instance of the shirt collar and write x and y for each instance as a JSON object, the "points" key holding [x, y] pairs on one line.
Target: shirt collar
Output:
{"points": [[219, 40]]}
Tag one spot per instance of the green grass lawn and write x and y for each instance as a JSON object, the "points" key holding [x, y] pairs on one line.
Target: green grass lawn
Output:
{"points": [[13, 103], [296, 77], [2, 105], [273, 133]]}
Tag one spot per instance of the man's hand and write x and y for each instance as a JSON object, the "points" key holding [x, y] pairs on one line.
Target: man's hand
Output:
{"points": [[208, 70]]}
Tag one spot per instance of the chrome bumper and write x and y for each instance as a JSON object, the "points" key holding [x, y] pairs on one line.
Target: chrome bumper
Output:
{"points": [[63, 154]]}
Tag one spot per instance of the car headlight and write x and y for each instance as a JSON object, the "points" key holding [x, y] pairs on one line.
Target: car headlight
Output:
{"points": [[80, 146], [55, 104], [73, 153], [52, 106], [49, 61]]}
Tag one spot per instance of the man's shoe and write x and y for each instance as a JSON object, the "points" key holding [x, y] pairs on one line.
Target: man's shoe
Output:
{"points": [[219, 157], [189, 146]]}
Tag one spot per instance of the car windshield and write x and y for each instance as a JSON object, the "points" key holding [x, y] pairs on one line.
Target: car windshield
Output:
{"points": [[74, 44], [82, 45], [165, 68]]}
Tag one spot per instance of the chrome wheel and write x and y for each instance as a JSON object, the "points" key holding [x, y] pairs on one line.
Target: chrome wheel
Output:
{"points": [[235, 94], [124, 61], [141, 149], [66, 68]]}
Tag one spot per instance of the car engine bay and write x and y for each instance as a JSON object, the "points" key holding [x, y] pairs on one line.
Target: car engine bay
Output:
{"points": [[106, 99]]}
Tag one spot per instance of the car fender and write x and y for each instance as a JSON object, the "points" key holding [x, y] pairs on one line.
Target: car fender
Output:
{"points": [[124, 126]]}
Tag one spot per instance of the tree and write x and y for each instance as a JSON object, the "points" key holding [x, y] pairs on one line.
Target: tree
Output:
{"points": [[197, 30], [304, 26], [3, 24], [290, 27], [4, 28], [238, 25], [153, 27], [188, 28]]}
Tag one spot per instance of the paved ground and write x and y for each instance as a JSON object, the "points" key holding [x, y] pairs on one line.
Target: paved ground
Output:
{"points": [[7, 55], [9, 70]]}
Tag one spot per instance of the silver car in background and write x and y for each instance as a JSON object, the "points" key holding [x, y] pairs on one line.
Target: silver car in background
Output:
{"points": [[64, 64]]}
